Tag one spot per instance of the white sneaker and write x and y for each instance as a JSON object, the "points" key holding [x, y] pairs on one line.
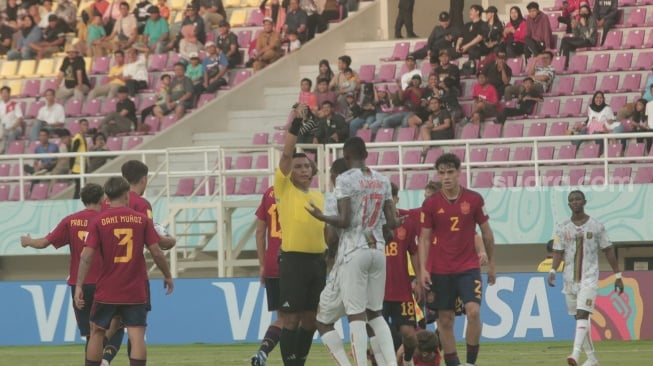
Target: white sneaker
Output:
{"points": [[591, 363]]}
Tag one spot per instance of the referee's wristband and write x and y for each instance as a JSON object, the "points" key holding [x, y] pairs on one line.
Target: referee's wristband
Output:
{"points": [[552, 271], [617, 275]]}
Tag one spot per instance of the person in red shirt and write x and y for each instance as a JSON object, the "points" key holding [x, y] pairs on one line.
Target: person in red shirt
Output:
{"points": [[427, 352], [72, 231], [267, 224], [449, 263], [120, 234], [486, 98]]}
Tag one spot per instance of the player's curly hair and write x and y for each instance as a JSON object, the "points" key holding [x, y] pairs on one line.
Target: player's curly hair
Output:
{"points": [[92, 193], [448, 160], [427, 341]]}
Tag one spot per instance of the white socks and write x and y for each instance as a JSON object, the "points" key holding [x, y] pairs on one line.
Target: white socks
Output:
{"points": [[358, 337], [588, 345], [384, 337], [378, 353], [334, 344], [579, 338]]}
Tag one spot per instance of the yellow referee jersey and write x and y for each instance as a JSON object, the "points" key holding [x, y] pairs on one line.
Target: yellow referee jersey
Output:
{"points": [[300, 232]]}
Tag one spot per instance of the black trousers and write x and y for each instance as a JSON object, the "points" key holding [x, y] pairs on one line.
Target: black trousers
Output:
{"points": [[456, 8], [533, 47], [569, 44], [608, 23], [404, 18], [133, 86]]}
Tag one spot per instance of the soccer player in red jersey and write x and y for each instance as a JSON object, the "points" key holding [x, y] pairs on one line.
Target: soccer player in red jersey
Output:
{"points": [[120, 234], [449, 263], [427, 352], [72, 231], [267, 225]]}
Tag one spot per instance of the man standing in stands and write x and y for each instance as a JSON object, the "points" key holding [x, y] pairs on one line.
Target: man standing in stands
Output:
{"points": [[405, 18]]}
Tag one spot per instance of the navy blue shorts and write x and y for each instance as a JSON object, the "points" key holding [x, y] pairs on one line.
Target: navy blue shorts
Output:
{"points": [[131, 315], [83, 316], [273, 293], [447, 288], [399, 313]]}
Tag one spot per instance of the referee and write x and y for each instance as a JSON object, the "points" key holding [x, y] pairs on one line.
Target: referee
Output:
{"points": [[302, 267]]}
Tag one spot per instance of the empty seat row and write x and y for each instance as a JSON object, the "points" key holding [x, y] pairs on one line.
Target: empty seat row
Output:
{"points": [[39, 191]]}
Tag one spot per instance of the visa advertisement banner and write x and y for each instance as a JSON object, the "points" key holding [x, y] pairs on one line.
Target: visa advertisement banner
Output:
{"points": [[520, 307]]}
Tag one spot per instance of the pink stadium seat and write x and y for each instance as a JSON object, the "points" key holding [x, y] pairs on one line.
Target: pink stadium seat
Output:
{"points": [[417, 181], [73, 107], [644, 60], [406, 134], [153, 122], [205, 98], [73, 127], [49, 84], [635, 39], [600, 63], [16, 147], [158, 62], [263, 186], [394, 178], [247, 186], [467, 109], [426, 68], [559, 129], [617, 101], [243, 162], [586, 85], [507, 179], [203, 191], [553, 20], [101, 65], [384, 135], [612, 40], [261, 162], [470, 131], [132, 142], [185, 187], [31, 147], [484, 180], [635, 150], [631, 83], [589, 150], [513, 130], [240, 77], [572, 107], [516, 65], [577, 64], [492, 131], [500, 154], [614, 150], [372, 158], [432, 155], [478, 155], [94, 123], [365, 134], [412, 157], [260, 138], [550, 108], [255, 18], [649, 39], [545, 152], [552, 177], [528, 178], [597, 176], [109, 105], [462, 179], [244, 38], [146, 102], [558, 64], [459, 152], [419, 45], [621, 175], [168, 121], [39, 191], [537, 130], [399, 53], [565, 86], [92, 107], [279, 137], [622, 61], [556, 7], [114, 143], [609, 83], [577, 177], [4, 169], [58, 188], [644, 175], [15, 192], [366, 73], [390, 158], [636, 16], [32, 88], [4, 192], [386, 73], [567, 152]]}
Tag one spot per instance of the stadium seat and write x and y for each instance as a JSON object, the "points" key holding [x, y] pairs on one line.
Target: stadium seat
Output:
{"points": [[231, 3], [372, 158], [238, 18], [390, 157], [617, 101], [631, 83], [559, 129], [459, 152], [243, 162], [577, 64], [564, 86], [644, 60], [553, 21], [15, 192], [636, 17], [244, 38], [483, 179], [94, 123], [417, 181], [612, 40], [240, 77], [419, 45], [132, 142], [550, 108], [432, 155], [577, 177], [411, 157], [279, 137], [4, 169], [572, 107], [644, 175], [26, 69], [537, 130], [609, 83], [263, 186], [4, 192], [73, 127], [49, 84], [426, 69], [58, 188], [567, 152], [513, 130], [39, 191], [516, 65], [366, 73], [185, 187], [399, 52], [205, 98], [499, 154], [528, 178], [635, 150], [365, 134], [247, 186], [384, 135], [386, 73], [32, 88], [470, 131], [621, 175], [173, 58], [261, 162], [73, 107], [635, 39], [16, 147], [406, 134], [589, 150], [230, 185], [586, 85], [600, 63], [45, 68], [260, 138], [552, 177], [622, 62], [203, 191], [16, 86], [109, 105], [255, 18], [158, 62], [462, 179], [597, 176], [8, 69], [615, 150], [91, 107], [101, 65], [558, 64], [478, 155], [114, 143], [545, 153], [492, 130], [507, 178]]}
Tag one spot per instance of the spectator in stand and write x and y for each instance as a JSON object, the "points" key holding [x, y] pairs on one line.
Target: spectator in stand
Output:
{"points": [[163, 9], [585, 32], [195, 72], [324, 72], [155, 32], [227, 42], [306, 96], [28, 34], [99, 144], [606, 13], [12, 13], [449, 99], [600, 120], [212, 13], [93, 45], [276, 12], [296, 20], [123, 118], [344, 62], [135, 72], [125, 31], [352, 111], [160, 95], [312, 17], [405, 19], [486, 98], [498, 72], [514, 34], [526, 102], [268, 46], [11, 117], [471, 40], [43, 165], [67, 12], [543, 76], [383, 104], [349, 85], [51, 117], [196, 23], [141, 12], [54, 38], [432, 88], [447, 70], [180, 94], [45, 10], [410, 98], [323, 94], [639, 122], [116, 78], [570, 12], [538, 31], [62, 166], [438, 126], [331, 127], [293, 44], [6, 37], [442, 37], [188, 45], [367, 110], [494, 28], [411, 67], [215, 65]]}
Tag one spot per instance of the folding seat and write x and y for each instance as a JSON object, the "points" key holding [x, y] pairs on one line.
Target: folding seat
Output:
{"points": [[16, 147], [394, 178], [513, 130], [247, 186], [567, 152], [412, 157], [636, 16], [552, 177], [537, 130], [15, 192], [204, 184], [255, 18], [172, 60], [146, 102], [572, 107], [508, 178], [158, 62], [558, 64], [8, 69], [627, 2], [609, 83], [132, 142], [577, 64], [617, 101], [16, 86], [114, 143], [635, 150], [101, 65], [516, 65], [244, 38], [597, 176], [399, 52], [386, 73], [406, 134], [265, 184], [545, 152], [39, 191], [31, 147], [168, 121], [644, 175], [91, 107], [185, 187], [615, 150], [58, 188], [553, 21], [260, 138], [635, 39], [402, 70], [4, 169], [45, 68], [462, 179], [26, 69], [550, 108], [500, 154], [459, 152], [644, 60], [280, 137], [4, 192], [621, 175], [419, 45], [417, 181], [240, 77], [109, 105], [243, 162], [261, 162], [205, 98], [577, 177], [528, 178], [238, 18], [564, 86], [559, 129], [384, 135], [31, 88], [366, 73], [470, 131], [589, 150], [556, 7], [478, 155], [372, 158], [432, 155], [390, 157], [73, 127], [631, 83], [612, 40], [88, 62], [492, 130], [586, 85], [622, 61], [600, 63], [49, 84], [484, 179]]}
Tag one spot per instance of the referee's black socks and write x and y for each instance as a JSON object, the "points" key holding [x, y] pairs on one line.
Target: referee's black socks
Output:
{"points": [[304, 342], [288, 346]]}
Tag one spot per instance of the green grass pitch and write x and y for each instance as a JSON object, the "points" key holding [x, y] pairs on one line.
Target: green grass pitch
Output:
{"points": [[491, 354]]}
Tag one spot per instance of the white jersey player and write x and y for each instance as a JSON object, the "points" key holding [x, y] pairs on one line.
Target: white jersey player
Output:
{"points": [[580, 239]]}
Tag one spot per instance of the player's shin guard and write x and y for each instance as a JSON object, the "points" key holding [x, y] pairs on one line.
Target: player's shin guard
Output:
{"points": [[304, 343], [270, 339], [133, 362], [382, 333], [579, 338], [112, 348], [358, 337], [472, 354], [288, 346], [376, 350], [333, 343]]}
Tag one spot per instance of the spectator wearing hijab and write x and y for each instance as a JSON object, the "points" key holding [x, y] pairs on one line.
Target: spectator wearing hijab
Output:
{"points": [[514, 34], [28, 34]]}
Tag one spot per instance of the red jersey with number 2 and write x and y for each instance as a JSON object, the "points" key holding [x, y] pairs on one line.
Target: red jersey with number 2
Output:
{"points": [[454, 226], [119, 235], [267, 211], [397, 281]]}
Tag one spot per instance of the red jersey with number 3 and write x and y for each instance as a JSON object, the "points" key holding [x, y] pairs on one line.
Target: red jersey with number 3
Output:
{"points": [[267, 211], [119, 235], [72, 231], [454, 226], [136, 203], [397, 281]]}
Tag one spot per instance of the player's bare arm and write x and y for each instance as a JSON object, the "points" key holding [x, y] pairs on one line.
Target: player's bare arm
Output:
{"points": [[480, 250], [414, 259], [611, 256], [167, 242], [261, 230], [160, 261], [36, 243], [298, 126], [390, 212], [488, 243], [557, 258], [85, 260], [342, 220], [423, 250]]}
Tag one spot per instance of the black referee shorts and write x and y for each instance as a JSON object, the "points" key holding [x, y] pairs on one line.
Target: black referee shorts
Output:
{"points": [[302, 277]]}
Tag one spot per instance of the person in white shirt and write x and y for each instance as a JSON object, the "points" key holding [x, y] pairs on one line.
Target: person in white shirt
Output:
{"points": [[600, 119], [579, 239], [11, 117], [135, 72], [412, 70], [51, 116]]}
